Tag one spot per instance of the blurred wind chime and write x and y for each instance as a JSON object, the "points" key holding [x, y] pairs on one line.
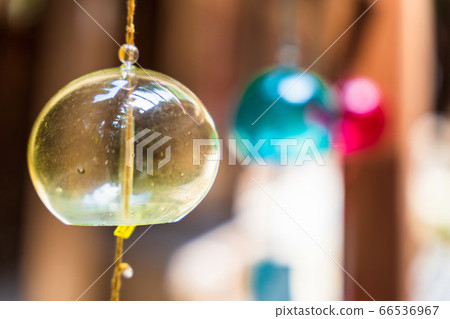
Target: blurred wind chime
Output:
{"points": [[286, 103], [361, 120], [92, 150], [263, 254]]}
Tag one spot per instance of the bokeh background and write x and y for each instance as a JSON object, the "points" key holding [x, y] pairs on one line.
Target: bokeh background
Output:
{"points": [[387, 207]]}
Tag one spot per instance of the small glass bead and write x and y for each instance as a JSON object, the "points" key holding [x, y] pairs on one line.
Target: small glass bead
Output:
{"points": [[128, 54], [127, 271]]}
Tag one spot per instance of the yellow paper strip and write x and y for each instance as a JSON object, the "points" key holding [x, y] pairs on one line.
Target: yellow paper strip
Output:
{"points": [[124, 231]]}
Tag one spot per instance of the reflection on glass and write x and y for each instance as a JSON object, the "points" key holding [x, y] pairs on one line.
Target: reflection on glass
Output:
{"points": [[78, 146]]}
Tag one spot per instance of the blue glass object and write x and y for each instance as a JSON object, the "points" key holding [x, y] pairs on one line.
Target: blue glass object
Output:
{"points": [[283, 103], [270, 282]]}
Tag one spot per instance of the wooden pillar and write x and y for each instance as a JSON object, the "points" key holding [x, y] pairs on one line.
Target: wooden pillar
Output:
{"points": [[59, 261], [371, 176], [397, 52], [417, 95]]}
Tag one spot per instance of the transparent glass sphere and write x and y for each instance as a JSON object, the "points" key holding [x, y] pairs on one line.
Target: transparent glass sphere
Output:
{"points": [[117, 147]]}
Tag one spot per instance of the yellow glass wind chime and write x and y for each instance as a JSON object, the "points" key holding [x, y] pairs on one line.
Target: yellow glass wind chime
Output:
{"points": [[93, 149]]}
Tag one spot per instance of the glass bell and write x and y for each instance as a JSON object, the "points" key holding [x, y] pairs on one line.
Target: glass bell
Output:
{"points": [[362, 119], [281, 103], [117, 147]]}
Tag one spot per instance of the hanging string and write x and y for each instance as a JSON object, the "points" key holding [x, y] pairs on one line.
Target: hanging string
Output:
{"points": [[130, 22], [121, 268], [115, 283], [123, 232], [289, 45]]}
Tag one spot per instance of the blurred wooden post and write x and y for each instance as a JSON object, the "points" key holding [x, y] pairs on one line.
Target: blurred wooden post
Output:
{"points": [[398, 53], [59, 262], [371, 177], [417, 89]]}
